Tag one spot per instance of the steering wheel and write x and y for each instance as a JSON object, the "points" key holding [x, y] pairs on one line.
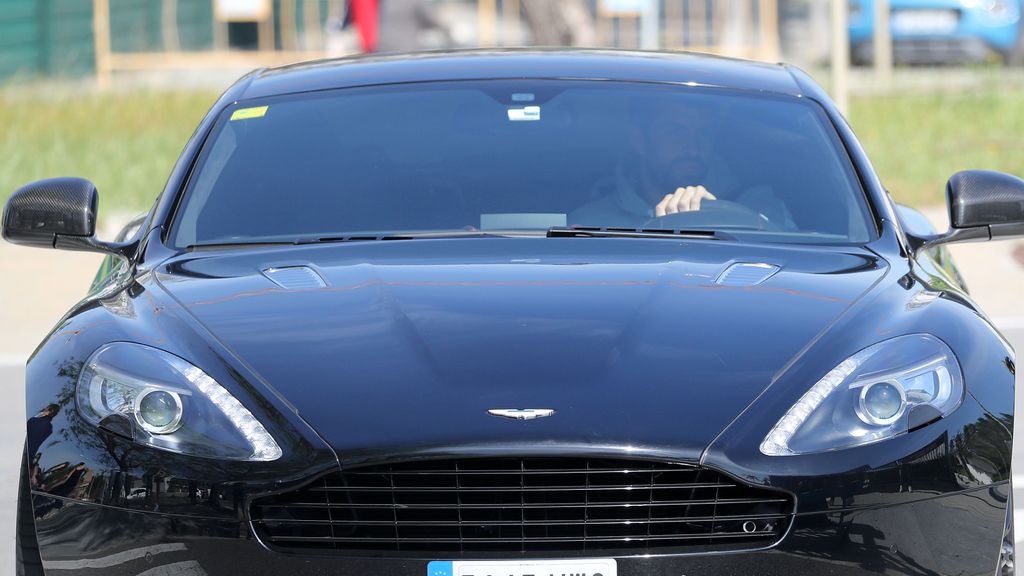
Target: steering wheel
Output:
{"points": [[715, 214]]}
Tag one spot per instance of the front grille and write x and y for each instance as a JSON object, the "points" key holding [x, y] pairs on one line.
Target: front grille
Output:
{"points": [[560, 506]]}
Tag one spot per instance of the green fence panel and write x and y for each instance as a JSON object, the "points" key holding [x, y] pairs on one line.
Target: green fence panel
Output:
{"points": [[66, 37], [195, 24], [54, 37], [19, 35], [135, 26]]}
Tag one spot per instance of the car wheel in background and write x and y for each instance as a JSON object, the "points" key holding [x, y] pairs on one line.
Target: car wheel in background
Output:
{"points": [[26, 549]]}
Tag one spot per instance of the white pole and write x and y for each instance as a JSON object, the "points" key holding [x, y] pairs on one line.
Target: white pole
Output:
{"points": [[650, 28], [883, 41], [840, 56]]}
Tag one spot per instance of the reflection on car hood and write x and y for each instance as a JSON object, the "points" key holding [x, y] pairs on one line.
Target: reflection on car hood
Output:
{"points": [[408, 344]]}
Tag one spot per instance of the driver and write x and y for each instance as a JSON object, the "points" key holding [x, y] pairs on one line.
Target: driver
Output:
{"points": [[675, 170]]}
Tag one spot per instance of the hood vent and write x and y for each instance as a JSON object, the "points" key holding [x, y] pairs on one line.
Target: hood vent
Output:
{"points": [[746, 274], [295, 277]]}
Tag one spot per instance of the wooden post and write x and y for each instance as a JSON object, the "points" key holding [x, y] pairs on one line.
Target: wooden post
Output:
{"points": [[487, 16], [768, 14], [314, 32], [511, 23], [289, 28], [719, 36], [883, 41], [628, 36], [169, 26], [101, 42], [840, 56], [673, 23], [220, 33], [266, 30], [697, 18]]}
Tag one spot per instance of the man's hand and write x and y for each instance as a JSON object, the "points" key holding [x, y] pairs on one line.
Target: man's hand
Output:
{"points": [[684, 200]]}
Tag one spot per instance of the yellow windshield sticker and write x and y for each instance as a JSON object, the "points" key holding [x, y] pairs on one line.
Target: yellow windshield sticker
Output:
{"points": [[246, 113]]}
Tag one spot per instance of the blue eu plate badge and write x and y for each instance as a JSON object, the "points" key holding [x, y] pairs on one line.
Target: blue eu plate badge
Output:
{"points": [[582, 567]]}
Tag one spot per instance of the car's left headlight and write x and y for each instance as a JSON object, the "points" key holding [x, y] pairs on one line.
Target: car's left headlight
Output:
{"points": [[160, 400], [882, 391]]}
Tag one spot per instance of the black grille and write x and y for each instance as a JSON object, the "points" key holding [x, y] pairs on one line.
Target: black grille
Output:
{"points": [[533, 505]]}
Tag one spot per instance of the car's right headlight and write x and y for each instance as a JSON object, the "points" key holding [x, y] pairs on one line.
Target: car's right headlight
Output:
{"points": [[882, 391], [160, 400]]}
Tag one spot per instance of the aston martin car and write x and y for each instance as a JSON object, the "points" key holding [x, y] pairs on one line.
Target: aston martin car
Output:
{"points": [[520, 313]]}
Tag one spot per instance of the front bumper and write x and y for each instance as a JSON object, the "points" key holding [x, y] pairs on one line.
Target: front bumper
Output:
{"points": [[958, 533], [931, 51]]}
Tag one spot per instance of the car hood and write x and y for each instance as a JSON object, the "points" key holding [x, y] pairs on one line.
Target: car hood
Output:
{"points": [[636, 344]]}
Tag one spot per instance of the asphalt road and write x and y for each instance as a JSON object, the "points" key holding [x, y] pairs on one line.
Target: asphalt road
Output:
{"points": [[12, 438], [12, 435]]}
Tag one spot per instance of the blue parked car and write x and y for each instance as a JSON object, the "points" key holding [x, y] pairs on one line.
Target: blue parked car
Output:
{"points": [[941, 31]]}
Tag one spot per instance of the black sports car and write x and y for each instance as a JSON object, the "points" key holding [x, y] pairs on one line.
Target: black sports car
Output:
{"points": [[521, 313]]}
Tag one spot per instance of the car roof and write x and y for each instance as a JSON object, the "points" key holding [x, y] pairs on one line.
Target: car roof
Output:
{"points": [[622, 65]]}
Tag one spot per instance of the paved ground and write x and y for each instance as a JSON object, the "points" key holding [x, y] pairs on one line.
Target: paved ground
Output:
{"points": [[39, 286], [11, 440]]}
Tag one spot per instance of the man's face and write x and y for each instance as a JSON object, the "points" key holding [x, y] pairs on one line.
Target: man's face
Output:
{"points": [[677, 149]]}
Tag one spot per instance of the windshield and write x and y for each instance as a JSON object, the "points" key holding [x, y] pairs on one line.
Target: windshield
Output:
{"points": [[522, 155]]}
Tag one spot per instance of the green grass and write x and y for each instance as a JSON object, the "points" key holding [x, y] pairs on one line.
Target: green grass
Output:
{"points": [[126, 143], [916, 142]]}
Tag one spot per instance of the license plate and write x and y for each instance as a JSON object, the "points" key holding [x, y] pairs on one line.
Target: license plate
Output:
{"points": [[586, 567], [924, 21]]}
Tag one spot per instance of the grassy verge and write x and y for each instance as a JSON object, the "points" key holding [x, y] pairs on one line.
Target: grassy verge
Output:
{"points": [[916, 142], [127, 142]]}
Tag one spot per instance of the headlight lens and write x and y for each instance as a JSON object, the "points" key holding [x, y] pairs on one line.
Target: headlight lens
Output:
{"points": [[159, 411], [879, 392], [167, 403], [881, 403]]}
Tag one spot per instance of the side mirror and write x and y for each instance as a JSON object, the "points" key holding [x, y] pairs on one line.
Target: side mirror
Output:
{"points": [[983, 205], [57, 213]]}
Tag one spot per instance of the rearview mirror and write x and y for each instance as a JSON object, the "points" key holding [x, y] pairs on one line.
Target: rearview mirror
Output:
{"points": [[57, 213], [983, 205]]}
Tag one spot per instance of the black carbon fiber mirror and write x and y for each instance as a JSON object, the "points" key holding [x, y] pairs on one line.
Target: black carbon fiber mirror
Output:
{"points": [[983, 205], [986, 198], [39, 212], [56, 213]]}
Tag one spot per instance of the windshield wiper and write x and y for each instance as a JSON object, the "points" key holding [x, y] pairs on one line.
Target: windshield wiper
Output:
{"points": [[427, 234], [553, 232], [595, 232], [221, 245], [364, 237]]}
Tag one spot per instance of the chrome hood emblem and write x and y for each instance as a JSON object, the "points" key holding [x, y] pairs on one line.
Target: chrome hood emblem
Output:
{"points": [[521, 413]]}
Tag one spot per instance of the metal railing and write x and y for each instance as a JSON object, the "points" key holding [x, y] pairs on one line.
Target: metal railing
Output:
{"points": [[742, 28], [291, 30]]}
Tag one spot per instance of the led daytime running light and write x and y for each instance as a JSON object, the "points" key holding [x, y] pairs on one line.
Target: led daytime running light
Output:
{"points": [[775, 444], [265, 448]]}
